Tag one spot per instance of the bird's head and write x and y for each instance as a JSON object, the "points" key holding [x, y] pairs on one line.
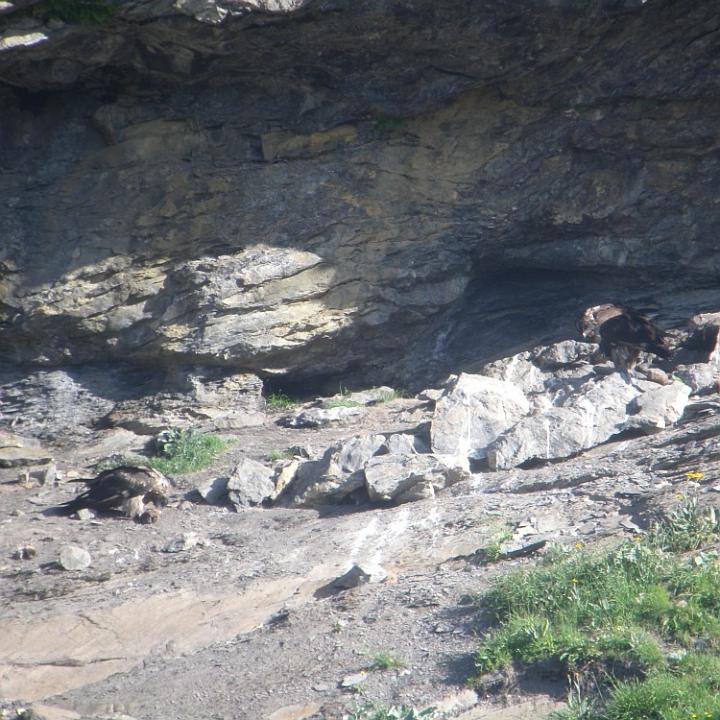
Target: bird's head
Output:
{"points": [[589, 322]]}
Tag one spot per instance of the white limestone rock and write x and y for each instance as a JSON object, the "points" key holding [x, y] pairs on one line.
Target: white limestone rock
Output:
{"points": [[588, 417], [660, 407], [73, 557], [474, 413]]}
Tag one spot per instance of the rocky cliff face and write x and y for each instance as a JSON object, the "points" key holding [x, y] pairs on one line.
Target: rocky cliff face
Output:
{"points": [[380, 191]]}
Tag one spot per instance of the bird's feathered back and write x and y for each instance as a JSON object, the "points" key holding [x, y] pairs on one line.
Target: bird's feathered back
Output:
{"points": [[127, 489], [623, 333]]}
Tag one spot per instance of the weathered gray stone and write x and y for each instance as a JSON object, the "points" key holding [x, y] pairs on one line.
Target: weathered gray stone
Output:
{"points": [[421, 490], [23, 456], [395, 477], [557, 355], [519, 370], [205, 397], [590, 416], [284, 476], [702, 378], [405, 444], [181, 543], [322, 417], [362, 397], [660, 407], [214, 490], [474, 412], [334, 476], [73, 557], [250, 483], [47, 474]]}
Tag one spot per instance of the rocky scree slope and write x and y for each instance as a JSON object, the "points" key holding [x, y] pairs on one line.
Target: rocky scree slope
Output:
{"points": [[280, 611]]}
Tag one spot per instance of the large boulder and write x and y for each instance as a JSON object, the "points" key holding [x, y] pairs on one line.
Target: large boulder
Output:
{"points": [[595, 412], [473, 413], [250, 483], [405, 478], [337, 474]]}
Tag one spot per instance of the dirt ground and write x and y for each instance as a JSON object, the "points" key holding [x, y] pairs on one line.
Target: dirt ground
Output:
{"points": [[240, 622]]}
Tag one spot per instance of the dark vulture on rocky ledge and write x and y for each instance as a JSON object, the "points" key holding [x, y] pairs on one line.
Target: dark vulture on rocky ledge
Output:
{"points": [[138, 492], [623, 334]]}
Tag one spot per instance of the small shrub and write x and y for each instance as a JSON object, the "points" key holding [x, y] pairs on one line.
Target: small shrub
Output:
{"points": [[688, 527], [493, 550], [389, 395], [182, 451]]}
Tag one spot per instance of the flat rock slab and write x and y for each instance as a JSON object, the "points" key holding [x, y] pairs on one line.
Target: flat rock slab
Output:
{"points": [[23, 456], [53, 655]]}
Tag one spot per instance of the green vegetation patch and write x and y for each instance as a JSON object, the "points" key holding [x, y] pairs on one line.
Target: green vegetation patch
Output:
{"points": [[279, 401], [386, 661], [639, 623], [276, 454], [183, 451], [177, 451], [370, 711]]}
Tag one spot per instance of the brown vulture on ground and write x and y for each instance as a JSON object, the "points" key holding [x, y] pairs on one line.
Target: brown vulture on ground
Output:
{"points": [[623, 334], [138, 492]]}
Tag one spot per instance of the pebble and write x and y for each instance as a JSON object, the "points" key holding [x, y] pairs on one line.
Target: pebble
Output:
{"points": [[85, 514], [73, 557], [183, 542], [352, 681]]}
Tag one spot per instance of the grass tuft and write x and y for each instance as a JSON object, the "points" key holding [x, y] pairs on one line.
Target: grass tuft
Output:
{"points": [[276, 454], [279, 401], [386, 661]]}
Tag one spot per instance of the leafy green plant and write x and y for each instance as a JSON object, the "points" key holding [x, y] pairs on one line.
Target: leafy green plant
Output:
{"points": [[688, 527], [182, 451], [370, 711], [386, 661]]}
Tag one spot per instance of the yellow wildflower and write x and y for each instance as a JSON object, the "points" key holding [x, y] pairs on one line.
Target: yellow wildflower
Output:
{"points": [[693, 475]]}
